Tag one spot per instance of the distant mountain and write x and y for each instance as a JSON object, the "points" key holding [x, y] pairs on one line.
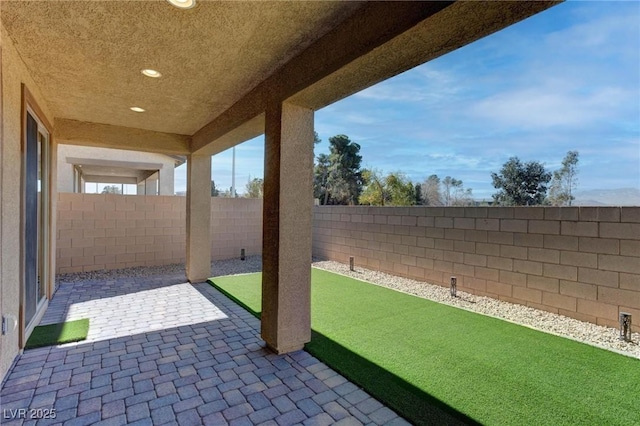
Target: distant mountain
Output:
{"points": [[608, 197]]}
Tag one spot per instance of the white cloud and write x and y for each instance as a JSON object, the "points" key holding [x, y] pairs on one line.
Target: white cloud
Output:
{"points": [[550, 105]]}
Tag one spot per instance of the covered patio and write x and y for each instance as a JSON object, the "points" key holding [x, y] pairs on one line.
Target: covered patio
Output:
{"points": [[164, 351], [152, 77]]}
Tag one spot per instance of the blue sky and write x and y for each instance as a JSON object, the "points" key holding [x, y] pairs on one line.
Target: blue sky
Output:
{"points": [[565, 79]]}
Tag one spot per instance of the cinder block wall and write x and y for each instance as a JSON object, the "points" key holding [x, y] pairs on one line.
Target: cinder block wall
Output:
{"points": [[235, 224], [579, 262], [97, 231]]}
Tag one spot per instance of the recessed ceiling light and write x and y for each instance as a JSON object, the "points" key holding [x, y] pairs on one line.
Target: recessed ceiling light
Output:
{"points": [[137, 109], [151, 73], [183, 4]]}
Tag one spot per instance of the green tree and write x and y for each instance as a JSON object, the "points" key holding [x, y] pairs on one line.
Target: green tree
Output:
{"points": [[374, 191], [521, 184], [401, 190], [320, 178], [418, 194], [393, 190], [214, 191], [338, 178], [255, 188], [111, 189], [565, 181]]}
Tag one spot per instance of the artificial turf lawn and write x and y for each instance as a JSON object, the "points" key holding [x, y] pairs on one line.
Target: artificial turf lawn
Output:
{"points": [[436, 364], [57, 334]]}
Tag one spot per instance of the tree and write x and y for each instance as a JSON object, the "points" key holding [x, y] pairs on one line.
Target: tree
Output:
{"points": [[449, 185], [454, 193], [565, 181], [214, 191], [401, 190], [320, 178], [418, 194], [393, 190], [374, 192], [431, 195], [111, 189], [255, 188], [521, 184], [338, 178]]}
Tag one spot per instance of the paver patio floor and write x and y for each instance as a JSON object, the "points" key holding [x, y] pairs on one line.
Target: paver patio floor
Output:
{"points": [[162, 351]]}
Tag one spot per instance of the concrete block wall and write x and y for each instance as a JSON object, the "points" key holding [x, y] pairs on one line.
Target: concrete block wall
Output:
{"points": [[582, 262], [236, 223], [106, 231]]}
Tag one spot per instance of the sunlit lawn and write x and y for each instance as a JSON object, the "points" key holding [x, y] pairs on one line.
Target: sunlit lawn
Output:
{"points": [[434, 363]]}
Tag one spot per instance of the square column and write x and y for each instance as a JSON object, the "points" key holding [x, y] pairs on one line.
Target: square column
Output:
{"points": [[166, 176], [198, 218], [151, 185], [287, 228]]}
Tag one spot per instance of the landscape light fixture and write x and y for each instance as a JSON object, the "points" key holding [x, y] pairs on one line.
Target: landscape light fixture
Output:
{"points": [[351, 260], [454, 286], [625, 326], [183, 4], [242, 256]]}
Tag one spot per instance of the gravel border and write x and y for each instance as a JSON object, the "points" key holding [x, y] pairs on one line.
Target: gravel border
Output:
{"points": [[595, 335]]}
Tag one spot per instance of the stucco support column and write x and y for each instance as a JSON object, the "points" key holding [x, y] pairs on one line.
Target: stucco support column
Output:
{"points": [[287, 222], [151, 185], [198, 217], [165, 180], [79, 183]]}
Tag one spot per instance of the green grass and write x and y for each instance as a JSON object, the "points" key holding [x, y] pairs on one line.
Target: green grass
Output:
{"points": [[435, 364], [57, 334]]}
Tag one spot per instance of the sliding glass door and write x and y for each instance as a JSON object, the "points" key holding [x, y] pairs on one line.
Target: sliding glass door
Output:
{"points": [[36, 215]]}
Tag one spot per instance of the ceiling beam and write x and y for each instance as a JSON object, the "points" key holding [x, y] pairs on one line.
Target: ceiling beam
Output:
{"points": [[373, 24], [456, 26], [74, 132], [245, 131], [127, 180], [114, 163], [380, 40]]}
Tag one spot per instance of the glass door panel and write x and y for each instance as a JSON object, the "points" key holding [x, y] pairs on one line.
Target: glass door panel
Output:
{"points": [[36, 215], [31, 219]]}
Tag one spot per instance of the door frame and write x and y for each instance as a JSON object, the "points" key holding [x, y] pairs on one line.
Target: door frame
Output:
{"points": [[30, 106]]}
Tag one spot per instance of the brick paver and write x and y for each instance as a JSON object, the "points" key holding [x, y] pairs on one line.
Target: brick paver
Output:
{"points": [[161, 351]]}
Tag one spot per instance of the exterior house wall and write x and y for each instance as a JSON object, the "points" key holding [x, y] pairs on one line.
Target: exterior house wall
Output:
{"points": [[13, 74], [165, 176], [98, 231], [579, 262]]}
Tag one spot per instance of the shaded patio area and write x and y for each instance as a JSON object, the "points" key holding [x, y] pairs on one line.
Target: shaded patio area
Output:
{"points": [[162, 351]]}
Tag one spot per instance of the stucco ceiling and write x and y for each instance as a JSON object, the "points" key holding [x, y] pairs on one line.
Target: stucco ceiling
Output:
{"points": [[86, 56]]}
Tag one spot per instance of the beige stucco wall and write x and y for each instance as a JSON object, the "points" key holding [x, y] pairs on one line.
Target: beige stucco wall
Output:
{"points": [[14, 73], [98, 231], [580, 262]]}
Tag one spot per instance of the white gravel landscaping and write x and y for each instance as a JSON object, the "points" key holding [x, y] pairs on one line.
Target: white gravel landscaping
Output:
{"points": [[560, 325]]}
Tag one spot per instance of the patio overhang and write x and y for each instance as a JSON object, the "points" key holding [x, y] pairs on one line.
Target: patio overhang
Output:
{"points": [[117, 172], [224, 63], [232, 71]]}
